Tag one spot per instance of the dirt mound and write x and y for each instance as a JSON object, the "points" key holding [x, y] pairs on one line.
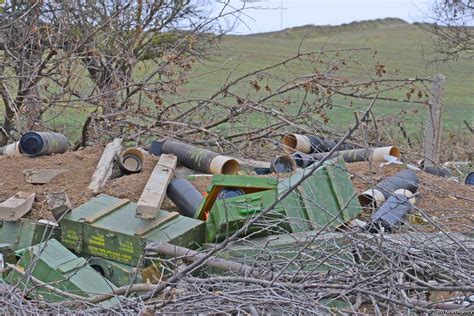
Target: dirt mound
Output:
{"points": [[449, 203]]}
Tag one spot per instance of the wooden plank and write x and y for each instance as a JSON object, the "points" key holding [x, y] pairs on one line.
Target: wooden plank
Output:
{"points": [[105, 211], [158, 222], [106, 163], [154, 193], [15, 207]]}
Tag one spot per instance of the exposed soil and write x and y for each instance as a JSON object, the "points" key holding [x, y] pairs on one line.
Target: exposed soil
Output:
{"points": [[448, 203]]}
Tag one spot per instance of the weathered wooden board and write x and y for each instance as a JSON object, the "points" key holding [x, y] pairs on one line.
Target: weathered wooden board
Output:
{"points": [[155, 190], [106, 163]]}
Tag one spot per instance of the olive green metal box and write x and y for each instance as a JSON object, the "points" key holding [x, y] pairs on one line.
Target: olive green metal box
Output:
{"points": [[325, 199], [50, 262], [107, 227], [25, 233]]}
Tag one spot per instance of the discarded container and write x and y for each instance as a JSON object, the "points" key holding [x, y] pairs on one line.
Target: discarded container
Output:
{"points": [[59, 268], [325, 198], [43, 143], [200, 159], [392, 212], [106, 226], [374, 197], [309, 144], [185, 196], [11, 149], [363, 154], [131, 160], [283, 164], [469, 179], [25, 233]]}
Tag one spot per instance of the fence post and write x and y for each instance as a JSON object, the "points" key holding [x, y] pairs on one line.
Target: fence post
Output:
{"points": [[433, 122]]}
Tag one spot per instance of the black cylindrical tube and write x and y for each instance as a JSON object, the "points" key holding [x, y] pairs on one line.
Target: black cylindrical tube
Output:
{"points": [[185, 196], [43, 143], [200, 159], [405, 179]]}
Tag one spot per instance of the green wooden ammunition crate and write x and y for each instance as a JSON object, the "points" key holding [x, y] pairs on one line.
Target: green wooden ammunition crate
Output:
{"points": [[50, 262], [107, 227], [325, 199], [25, 233]]}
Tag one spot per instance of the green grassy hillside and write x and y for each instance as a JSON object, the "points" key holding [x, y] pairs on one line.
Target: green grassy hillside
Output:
{"points": [[399, 47]]}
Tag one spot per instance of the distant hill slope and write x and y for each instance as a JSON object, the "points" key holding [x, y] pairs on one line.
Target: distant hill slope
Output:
{"points": [[324, 30], [400, 46]]}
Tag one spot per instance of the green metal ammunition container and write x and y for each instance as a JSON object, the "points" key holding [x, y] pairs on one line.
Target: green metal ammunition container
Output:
{"points": [[25, 233], [50, 262], [327, 198], [107, 227]]}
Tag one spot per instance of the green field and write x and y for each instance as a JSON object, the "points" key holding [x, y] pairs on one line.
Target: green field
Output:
{"points": [[400, 46]]}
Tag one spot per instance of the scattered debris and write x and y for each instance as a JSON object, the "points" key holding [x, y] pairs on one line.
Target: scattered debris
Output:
{"points": [[121, 242], [17, 206], [58, 203], [41, 176]]}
